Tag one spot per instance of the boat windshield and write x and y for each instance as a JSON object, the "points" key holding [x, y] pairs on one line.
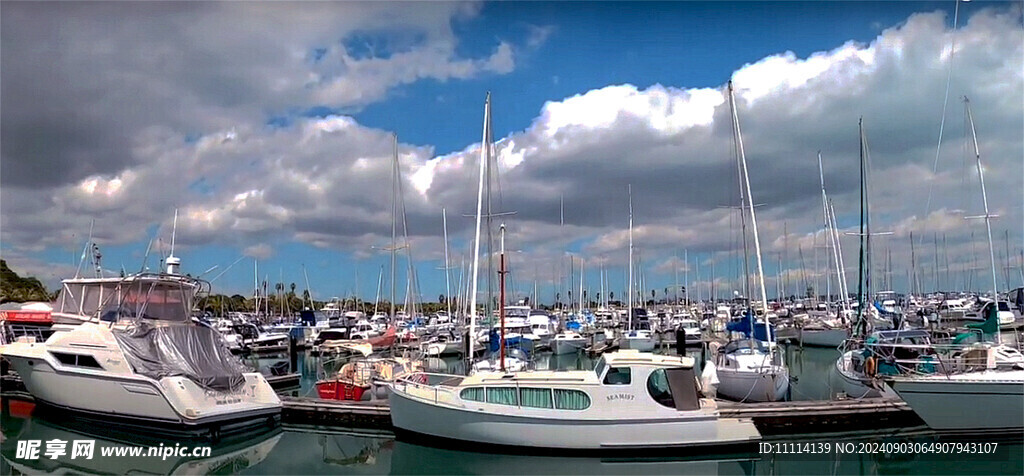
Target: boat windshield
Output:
{"points": [[599, 369], [158, 300], [745, 344], [514, 311]]}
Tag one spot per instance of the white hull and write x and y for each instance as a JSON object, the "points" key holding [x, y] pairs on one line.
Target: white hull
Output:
{"points": [[851, 383], [413, 414], [752, 386], [435, 349], [643, 344], [981, 401], [567, 346], [171, 400], [823, 338]]}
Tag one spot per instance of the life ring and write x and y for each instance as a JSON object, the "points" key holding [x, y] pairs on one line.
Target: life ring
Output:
{"points": [[870, 367]]}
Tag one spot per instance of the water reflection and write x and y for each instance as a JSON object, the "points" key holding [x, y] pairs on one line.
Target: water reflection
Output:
{"points": [[20, 422]]}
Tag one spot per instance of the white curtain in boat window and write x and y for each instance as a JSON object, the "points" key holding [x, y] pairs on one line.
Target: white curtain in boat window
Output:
{"points": [[571, 400], [502, 395], [473, 394], [535, 397]]}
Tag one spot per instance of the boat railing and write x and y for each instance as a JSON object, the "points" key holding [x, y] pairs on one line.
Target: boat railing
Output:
{"points": [[425, 384]]}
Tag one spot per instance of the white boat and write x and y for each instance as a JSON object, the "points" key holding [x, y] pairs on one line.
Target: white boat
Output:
{"points": [[567, 342], [630, 401], [638, 339], [747, 372], [442, 344], [691, 331], [138, 357], [852, 381], [983, 393]]}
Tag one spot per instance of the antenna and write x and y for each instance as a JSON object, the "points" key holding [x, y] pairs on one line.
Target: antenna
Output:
{"points": [[173, 262]]}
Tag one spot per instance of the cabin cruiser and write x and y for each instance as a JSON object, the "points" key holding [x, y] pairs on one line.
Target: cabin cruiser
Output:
{"points": [[27, 322], [640, 337], [567, 342], [445, 343], [248, 337], [136, 356], [691, 331], [630, 401], [748, 371], [541, 326]]}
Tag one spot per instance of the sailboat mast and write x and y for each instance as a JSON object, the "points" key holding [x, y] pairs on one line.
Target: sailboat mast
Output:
{"points": [[394, 219], [987, 216], [501, 298], [750, 205], [863, 234], [447, 268], [484, 152], [629, 292]]}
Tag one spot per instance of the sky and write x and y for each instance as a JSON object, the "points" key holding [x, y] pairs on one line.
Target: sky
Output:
{"points": [[269, 128]]}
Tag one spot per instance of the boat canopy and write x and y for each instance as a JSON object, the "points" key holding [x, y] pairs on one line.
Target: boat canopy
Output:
{"points": [[195, 352]]}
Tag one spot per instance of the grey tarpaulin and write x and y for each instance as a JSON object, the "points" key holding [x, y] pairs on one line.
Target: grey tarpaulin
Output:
{"points": [[196, 352]]}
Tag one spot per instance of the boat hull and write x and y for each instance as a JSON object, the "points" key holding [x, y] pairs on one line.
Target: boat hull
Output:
{"points": [[749, 386], [643, 344], [961, 403], [823, 338], [850, 382], [171, 401], [415, 417], [567, 346]]}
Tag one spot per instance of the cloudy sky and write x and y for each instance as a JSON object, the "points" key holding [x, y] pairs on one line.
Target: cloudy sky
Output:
{"points": [[269, 128]]}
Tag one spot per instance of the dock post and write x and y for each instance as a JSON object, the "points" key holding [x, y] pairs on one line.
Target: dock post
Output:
{"points": [[293, 354], [680, 341]]}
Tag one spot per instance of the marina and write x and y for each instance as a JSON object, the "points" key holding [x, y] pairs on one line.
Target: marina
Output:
{"points": [[512, 238]]}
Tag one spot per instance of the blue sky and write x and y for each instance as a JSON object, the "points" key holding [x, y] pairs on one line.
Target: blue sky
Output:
{"points": [[160, 122]]}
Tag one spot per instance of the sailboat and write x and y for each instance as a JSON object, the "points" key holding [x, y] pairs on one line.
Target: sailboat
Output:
{"points": [[750, 369], [983, 391]]}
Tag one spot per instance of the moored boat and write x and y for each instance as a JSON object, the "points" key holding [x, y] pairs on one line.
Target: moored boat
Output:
{"points": [[630, 401]]}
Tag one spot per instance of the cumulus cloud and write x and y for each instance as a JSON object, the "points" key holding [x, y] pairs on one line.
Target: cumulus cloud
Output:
{"points": [[327, 181]]}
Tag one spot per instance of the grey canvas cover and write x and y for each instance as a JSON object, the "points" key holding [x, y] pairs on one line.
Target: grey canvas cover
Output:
{"points": [[195, 352]]}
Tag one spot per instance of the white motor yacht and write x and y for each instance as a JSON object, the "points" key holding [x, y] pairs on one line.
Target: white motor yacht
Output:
{"points": [[631, 401], [138, 357], [691, 330], [567, 342], [638, 339]]}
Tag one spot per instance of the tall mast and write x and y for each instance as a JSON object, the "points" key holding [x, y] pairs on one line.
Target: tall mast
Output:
{"points": [[394, 219], [629, 292], [501, 299], [750, 205], [861, 275], [988, 217], [485, 150], [915, 287], [447, 267]]}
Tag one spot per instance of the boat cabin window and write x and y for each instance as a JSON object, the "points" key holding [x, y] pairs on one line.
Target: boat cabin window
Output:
{"points": [[77, 360], [657, 387], [472, 394], [599, 368], [156, 300], [535, 397], [571, 399], [618, 376], [502, 395]]}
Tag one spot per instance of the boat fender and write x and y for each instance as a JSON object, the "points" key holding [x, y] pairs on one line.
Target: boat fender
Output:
{"points": [[870, 367], [709, 380]]}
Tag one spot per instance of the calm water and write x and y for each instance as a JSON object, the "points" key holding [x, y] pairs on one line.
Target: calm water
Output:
{"points": [[300, 450]]}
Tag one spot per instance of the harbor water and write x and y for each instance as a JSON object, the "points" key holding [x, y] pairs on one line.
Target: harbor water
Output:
{"points": [[310, 450]]}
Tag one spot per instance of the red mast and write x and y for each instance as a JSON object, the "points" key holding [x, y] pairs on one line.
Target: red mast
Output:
{"points": [[501, 299]]}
